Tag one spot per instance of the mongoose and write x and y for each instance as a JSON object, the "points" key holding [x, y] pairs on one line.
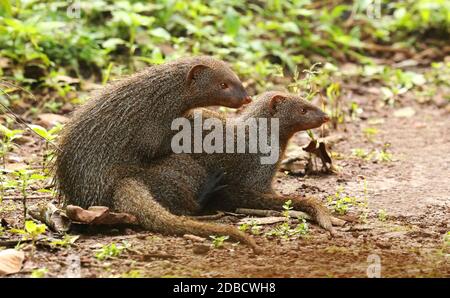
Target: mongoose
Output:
{"points": [[250, 182], [181, 184], [128, 123]]}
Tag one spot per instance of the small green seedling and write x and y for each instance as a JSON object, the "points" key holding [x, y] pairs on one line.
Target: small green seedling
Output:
{"points": [[32, 231], [287, 206], [66, 242], [361, 153], [217, 241], [8, 136], [382, 215], [49, 136], [370, 133], [111, 251], [132, 274], [284, 229], [24, 178], [39, 273], [384, 156], [252, 227], [341, 202], [447, 239], [244, 227]]}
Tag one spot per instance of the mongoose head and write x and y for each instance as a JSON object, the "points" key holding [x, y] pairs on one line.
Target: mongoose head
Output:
{"points": [[212, 82], [294, 113]]}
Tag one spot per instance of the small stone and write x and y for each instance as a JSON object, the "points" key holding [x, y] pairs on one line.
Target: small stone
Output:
{"points": [[201, 249], [406, 112], [383, 245]]}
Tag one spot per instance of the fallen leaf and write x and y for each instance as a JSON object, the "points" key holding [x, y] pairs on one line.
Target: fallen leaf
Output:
{"points": [[98, 215], [49, 120], [319, 150], [11, 261]]}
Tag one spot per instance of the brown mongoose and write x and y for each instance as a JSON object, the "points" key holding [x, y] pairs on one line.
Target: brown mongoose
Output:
{"points": [[128, 123], [250, 182], [179, 184]]}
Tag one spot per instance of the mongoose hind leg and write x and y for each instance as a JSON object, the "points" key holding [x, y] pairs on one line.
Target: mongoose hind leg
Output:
{"points": [[214, 183], [132, 196]]}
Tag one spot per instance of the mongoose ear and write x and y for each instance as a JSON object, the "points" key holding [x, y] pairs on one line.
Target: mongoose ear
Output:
{"points": [[274, 101], [194, 72]]}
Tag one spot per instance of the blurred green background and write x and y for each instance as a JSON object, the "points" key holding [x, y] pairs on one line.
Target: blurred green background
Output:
{"points": [[59, 49]]}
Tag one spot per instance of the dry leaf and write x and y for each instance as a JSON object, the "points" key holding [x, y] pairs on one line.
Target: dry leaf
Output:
{"points": [[98, 215], [11, 261], [49, 120]]}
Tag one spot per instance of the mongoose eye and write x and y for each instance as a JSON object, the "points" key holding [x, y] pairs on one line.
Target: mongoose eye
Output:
{"points": [[304, 111], [223, 85]]}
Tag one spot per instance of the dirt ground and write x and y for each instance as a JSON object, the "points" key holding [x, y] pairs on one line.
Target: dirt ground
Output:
{"points": [[413, 190]]}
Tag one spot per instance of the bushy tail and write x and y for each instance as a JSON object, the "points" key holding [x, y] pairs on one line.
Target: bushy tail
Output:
{"points": [[131, 196]]}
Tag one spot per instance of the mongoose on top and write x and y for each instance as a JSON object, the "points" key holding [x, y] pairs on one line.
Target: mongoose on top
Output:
{"points": [[127, 123]]}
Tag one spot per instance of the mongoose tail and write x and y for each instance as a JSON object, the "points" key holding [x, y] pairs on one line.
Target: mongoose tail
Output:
{"points": [[258, 200], [133, 197]]}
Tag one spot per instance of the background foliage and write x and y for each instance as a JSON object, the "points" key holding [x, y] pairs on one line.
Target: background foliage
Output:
{"points": [[48, 46]]}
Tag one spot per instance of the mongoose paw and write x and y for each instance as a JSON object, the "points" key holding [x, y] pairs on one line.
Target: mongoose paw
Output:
{"points": [[212, 185]]}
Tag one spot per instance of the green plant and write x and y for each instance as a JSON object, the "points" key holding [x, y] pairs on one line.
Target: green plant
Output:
{"points": [[39, 273], [24, 178], [132, 274], [31, 231], [65, 242], [333, 93], [252, 227], [284, 229], [361, 153], [384, 156], [8, 136], [341, 203], [217, 241], [370, 133], [382, 215], [447, 239], [49, 136], [111, 250]]}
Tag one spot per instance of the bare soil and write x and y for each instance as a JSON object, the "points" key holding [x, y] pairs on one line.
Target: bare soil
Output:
{"points": [[413, 189]]}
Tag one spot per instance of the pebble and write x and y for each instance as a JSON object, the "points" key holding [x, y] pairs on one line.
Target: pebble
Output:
{"points": [[201, 249]]}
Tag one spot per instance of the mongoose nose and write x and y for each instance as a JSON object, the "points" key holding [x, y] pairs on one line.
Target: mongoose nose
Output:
{"points": [[326, 118], [247, 99]]}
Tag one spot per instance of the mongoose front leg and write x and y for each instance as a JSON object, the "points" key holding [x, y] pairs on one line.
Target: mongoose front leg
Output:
{"points": [[132, 196], [257, 200]]}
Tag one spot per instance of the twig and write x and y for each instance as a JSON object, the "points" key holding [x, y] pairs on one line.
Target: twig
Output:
{"points": [[149, 256], [258, 212], [13, 243], [194, 238], [36, 197], [209, 217]]}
